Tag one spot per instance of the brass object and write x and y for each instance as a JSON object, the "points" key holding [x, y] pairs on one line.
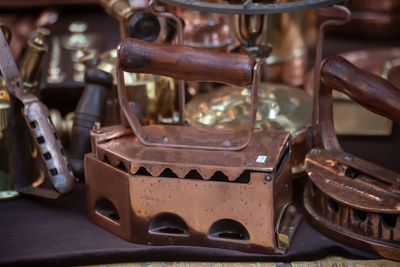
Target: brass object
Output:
{"points": [[239, 194], [137, 21], [6, 182], [32, 58], [349, 117], [62, 124], [280, 107], [78, 38], [292, 37], [154, 94], [121, 10], [7, 32], [55, 73]]}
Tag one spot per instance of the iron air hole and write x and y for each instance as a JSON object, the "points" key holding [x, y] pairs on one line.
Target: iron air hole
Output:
{"points": [[228, 229], [168, 224], [389, 220], [333, 205], [352, 173], [107, 209], [359, 216]]}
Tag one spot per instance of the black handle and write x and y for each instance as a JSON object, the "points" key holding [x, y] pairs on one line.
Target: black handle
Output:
{"points": [[90, 109]]}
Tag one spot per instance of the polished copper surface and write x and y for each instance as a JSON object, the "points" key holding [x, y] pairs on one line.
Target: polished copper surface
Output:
{"points": [[232, 163], [349, 199], [238, 199]]}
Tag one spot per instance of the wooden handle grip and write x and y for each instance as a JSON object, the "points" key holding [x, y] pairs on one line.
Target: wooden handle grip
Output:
{"points": [[186, 63], [369, 90]]}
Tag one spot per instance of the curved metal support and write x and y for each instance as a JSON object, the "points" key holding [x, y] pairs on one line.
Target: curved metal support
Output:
{"points": [[248, 7], [340, 15], [181, 83], [148, 139]]}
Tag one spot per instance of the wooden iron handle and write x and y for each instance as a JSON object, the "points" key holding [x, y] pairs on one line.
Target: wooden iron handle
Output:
{"points": [[371, 91], [186, 63]]}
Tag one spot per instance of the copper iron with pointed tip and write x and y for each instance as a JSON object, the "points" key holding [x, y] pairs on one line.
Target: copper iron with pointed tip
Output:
{"points": [[347, 198], [176, 185]]}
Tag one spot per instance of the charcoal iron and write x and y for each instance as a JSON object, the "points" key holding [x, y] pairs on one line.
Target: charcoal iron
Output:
{"points": [[349, 199], [177, 185]]}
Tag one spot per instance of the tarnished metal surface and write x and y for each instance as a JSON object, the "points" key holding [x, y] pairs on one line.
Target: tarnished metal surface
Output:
{"points": [[49, 145], [349, 199], [250, 7], [37, 120]]}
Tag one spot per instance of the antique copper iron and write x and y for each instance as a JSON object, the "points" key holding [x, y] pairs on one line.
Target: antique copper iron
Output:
{"points": [[349, 199], [140, 180], [349, 117]]}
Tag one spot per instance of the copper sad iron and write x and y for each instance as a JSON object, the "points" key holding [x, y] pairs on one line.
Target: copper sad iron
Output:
{"points": [[347, 198], [177, 185]]}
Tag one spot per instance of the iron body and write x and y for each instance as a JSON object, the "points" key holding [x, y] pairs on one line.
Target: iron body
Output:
{"points": [[169, 196]]}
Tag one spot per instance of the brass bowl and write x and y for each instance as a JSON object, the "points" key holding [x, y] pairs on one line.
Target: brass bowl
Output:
{"points": [[280, 107]]}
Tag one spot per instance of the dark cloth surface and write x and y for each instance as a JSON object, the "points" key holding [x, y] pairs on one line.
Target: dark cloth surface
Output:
{"points": [[48, 232]]}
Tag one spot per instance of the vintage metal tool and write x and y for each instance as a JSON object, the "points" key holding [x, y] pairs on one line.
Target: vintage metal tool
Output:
{"points": [[42, 131], [140, 180], [349, 199]]}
